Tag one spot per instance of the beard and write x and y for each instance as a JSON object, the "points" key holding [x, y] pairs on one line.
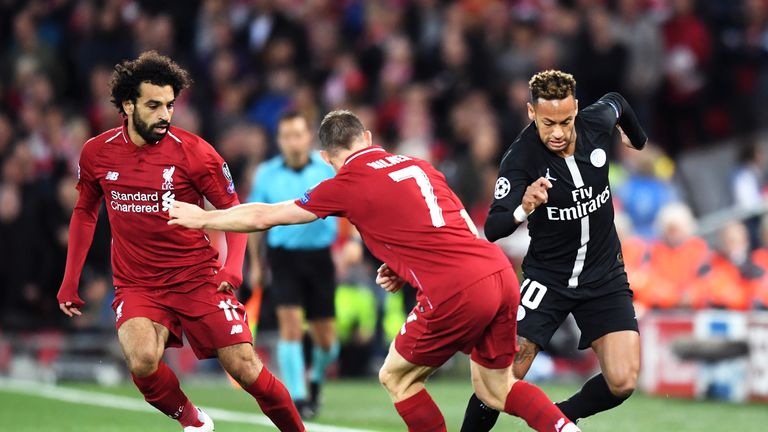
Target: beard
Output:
{"points": [[147, 131]]}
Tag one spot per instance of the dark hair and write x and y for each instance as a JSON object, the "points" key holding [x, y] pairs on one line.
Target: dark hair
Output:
{"points": [[150, 67], [290, 115], [338, 130], [551, 85]]}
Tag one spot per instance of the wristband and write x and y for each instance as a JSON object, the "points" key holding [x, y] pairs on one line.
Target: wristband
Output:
{"points": [[520, 215]]}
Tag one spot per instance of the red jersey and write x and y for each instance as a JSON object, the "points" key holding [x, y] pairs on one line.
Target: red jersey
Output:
{"points": [[409, 218], [139, 184]]}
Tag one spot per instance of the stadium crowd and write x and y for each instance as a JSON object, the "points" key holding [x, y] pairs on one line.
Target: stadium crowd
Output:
{"points": [[444, 81]]}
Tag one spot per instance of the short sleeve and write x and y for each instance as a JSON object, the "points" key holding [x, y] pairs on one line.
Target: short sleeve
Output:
{"points": [[211, 176], [329, 198]]}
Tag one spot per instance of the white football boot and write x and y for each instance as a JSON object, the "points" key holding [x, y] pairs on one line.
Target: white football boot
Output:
{"points": [[207, 423]]}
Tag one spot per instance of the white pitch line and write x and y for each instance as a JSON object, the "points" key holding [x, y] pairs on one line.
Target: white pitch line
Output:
{"points": [[86, 397]]}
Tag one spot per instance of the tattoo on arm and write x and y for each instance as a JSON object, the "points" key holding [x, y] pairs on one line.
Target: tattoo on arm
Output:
{"points": [[528, 351]]}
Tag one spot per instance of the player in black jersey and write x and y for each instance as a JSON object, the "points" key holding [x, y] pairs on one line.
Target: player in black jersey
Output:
{"points": [[558, 167]]}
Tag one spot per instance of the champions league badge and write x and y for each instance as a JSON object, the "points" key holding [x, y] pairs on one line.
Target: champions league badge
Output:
{"points": [[502, 188]]}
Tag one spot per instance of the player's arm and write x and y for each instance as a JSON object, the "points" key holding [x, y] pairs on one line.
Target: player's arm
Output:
{"points": [[254, 257], [240, 218], [81, 228], [502, 222], [625, 117]]}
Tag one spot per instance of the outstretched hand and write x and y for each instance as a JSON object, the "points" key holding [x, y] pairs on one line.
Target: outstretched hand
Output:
{"points": [[388, 279], [186, 215]]}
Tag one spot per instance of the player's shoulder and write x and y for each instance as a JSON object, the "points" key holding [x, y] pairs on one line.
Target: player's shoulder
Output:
{"points": [[607, 108], [523, 149], [188, 139], [95, 144]]}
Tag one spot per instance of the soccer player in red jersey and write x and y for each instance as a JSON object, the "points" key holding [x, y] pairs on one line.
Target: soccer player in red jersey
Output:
{"points": [[410, 219], [167, 279]]}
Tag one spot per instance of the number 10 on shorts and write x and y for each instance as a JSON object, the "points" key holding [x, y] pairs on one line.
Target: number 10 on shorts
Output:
{"points": [[532, 293]]}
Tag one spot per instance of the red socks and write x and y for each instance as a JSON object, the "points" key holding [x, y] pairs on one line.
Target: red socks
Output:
{"points": [[420, 413], [161, 390], [531, 404], [274, 400]]}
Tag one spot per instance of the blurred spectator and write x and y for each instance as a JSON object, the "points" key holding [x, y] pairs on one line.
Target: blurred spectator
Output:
{"points": [[732, 277], [601, 61], [644, 193], [677, 260], [747, 186]]}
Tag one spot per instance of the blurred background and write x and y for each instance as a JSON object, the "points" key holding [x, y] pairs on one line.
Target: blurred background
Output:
{"points": [[441, 80]]}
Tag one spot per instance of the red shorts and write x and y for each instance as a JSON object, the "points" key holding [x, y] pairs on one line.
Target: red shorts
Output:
{"points": [[209, 319], [481, 320]]}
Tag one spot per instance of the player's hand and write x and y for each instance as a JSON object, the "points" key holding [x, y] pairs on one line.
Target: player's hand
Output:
{"points": [[187, 215], [536, 194], [227, 280], [388, 279], [624, 138], [70, 309]]}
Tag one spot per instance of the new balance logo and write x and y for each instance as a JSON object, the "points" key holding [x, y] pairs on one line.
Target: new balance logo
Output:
{"points": [[112, 175], [168, 199], [236, 329]]}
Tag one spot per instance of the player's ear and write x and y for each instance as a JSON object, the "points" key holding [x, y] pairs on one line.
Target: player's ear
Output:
{"points": [[531, 112], [128, 107], [368, 138], [577, 104]]}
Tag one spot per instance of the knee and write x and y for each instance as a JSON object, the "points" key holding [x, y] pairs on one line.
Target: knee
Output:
{"points": [[244, 368], [392, 382], [623, 385], [142, 362]]}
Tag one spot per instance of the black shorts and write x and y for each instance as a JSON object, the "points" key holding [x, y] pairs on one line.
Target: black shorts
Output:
{"points": [[598, 311], [305, 278]]}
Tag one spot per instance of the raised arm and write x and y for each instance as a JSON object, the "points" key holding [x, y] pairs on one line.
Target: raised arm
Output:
{"points": [[240, 218], [626, 118]]}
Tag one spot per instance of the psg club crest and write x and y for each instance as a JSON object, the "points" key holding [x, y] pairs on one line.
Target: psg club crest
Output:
{"points": [[228, 176], [502, 188]]}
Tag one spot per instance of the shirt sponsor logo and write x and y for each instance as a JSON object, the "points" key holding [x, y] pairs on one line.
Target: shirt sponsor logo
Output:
{"points": [[582, 208], [168, 178], [502, 188], [138, 202], [168, 199], [112, 175]]}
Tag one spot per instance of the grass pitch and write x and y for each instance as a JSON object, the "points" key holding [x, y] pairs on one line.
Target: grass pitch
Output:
{"points": [[348, 405]]}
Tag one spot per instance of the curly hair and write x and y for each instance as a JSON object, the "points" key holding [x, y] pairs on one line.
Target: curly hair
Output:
{"points": [[150, 67], [552, 84]]}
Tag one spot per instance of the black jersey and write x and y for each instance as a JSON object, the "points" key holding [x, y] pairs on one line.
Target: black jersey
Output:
{"points": [[573, 239]]}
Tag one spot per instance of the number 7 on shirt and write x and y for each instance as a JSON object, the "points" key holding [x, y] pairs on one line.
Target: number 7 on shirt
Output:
{"points": [[422, 180]]}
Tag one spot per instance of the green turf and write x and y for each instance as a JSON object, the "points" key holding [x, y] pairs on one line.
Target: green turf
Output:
{"points": [[364, 404]]}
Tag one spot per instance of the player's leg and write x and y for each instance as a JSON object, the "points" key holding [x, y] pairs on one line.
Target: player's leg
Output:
{"points": [[538, 316], [143, 343], [242, 363], [321, 313], [404, 381], [609, 326], [324, 352], [501, 391]]}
